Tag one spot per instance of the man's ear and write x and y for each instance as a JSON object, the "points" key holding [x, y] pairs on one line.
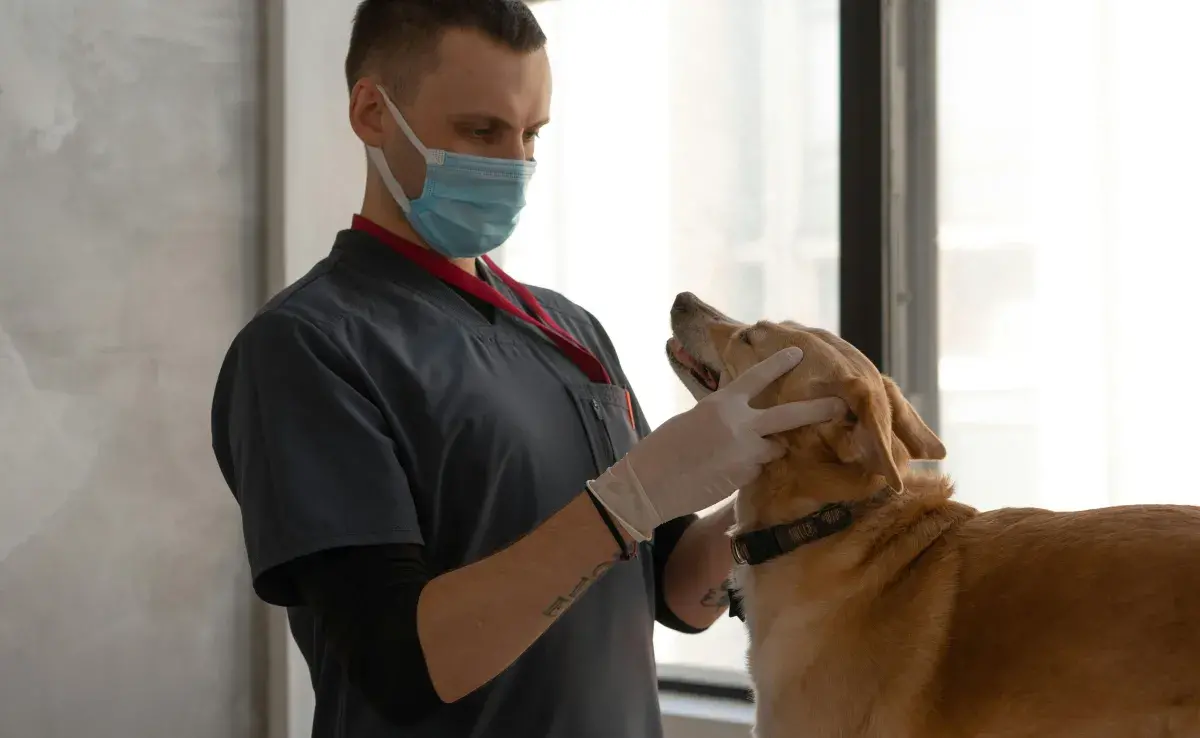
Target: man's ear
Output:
{"points": [[869, 440], [921, 442]]}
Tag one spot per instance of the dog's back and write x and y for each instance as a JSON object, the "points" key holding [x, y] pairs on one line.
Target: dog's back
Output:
{"points": [[1006, 624], [1080, 624]]}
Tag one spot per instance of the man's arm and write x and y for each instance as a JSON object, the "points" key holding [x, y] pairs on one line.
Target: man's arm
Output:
{"points": [[475, 621], [697, 572], [369, 599]]}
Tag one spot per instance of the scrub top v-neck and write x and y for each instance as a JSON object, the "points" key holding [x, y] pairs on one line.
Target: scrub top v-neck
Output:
{"points": [[514, 300], [440, 420]]}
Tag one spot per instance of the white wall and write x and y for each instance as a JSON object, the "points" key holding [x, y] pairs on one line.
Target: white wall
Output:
{"points": [[129, 247]]}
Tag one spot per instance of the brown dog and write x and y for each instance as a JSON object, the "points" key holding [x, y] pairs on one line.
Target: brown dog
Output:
{"points": [[878, 606]]}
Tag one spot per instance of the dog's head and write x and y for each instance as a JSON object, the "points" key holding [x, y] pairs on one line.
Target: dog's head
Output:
{"points": [[880, 432]]}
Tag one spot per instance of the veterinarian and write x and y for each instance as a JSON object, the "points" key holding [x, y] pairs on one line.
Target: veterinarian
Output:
{"points": [[443, 473]]}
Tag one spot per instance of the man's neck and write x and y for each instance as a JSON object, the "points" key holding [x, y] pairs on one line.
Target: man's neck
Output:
{"points": [[393, 220]]}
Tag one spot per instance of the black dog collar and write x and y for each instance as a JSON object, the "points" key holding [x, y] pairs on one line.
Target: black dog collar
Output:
{"points": [[760, 546]]}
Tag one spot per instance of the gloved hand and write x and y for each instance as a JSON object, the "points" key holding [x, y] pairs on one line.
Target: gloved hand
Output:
{"points": [[703, 455]]}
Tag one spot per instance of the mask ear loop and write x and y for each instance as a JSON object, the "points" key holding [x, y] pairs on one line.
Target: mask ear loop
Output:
{"points": [[389, 180], [430, 156], [375, 154]]}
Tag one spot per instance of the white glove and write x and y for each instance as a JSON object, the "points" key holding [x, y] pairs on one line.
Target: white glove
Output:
{"points": [[703, 455]]}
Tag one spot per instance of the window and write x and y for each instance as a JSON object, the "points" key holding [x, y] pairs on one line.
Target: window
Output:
{"points": [[704, 158], [1069, 250]]}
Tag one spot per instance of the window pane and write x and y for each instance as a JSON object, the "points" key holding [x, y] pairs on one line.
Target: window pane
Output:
{"points": [[703, 158], [1069, 249]]}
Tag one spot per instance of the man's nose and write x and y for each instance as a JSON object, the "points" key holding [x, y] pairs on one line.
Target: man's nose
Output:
{"points": [[515, 148]]}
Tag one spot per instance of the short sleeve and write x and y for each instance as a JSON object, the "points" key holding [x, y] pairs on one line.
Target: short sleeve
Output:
{"points": [[306, 452]]}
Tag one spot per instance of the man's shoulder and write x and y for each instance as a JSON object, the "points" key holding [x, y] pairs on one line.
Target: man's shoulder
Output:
{"points": [[310, 319], [319, 297], [337, 301], [303, 308]]}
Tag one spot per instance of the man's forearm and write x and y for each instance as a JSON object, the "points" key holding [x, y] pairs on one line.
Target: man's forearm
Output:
{"points": [[475, 621], [696, 577]]}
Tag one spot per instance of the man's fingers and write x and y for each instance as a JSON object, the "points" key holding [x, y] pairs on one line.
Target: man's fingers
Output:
{"points": [[758, 377], [796, 414]]}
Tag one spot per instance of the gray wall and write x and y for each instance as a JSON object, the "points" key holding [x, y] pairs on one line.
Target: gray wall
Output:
{"points": [[129, 250]]}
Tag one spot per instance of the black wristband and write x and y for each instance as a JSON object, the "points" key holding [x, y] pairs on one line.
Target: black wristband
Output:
{"points": [[627, 553]]}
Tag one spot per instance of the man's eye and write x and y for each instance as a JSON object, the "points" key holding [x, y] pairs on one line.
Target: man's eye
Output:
{"points": [[481, 132], [530, 135]]}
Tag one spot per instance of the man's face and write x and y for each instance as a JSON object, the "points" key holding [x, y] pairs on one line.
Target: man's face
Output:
{"points": [[481, 98]]}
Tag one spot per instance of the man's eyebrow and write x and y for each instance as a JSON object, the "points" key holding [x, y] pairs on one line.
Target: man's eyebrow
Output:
{"points": [[492, 120]]}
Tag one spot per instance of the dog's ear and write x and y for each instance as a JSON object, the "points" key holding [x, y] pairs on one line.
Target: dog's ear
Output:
{"points": [[868, 442], [921, 442]]}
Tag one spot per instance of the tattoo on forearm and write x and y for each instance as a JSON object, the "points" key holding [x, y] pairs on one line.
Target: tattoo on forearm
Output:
{"points": [[717, 596], [562, 602]]}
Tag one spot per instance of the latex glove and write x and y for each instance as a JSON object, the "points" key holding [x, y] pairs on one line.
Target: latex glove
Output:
{"points": [[703, 455]]}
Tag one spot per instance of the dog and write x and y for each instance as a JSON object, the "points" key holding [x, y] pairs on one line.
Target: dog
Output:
{"points": [[879, 607]]}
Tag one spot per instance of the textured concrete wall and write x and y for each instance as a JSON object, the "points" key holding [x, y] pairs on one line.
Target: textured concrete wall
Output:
{"points": [[129, 240]]}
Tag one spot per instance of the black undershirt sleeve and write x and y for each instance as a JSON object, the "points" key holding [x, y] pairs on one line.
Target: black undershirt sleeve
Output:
{"points": [[666, 537], [365, 598]]}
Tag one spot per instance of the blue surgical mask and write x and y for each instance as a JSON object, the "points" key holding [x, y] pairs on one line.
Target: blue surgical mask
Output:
{"points": [[469, 205]]}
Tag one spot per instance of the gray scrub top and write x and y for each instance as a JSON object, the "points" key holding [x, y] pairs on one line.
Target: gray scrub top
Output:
{"points": [[390, 409]]}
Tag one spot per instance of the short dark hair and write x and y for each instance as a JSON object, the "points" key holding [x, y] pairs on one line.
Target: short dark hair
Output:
{"points": [[405, 34]]}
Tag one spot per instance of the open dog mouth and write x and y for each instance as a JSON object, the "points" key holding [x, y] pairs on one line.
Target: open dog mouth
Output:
{"points": [[708, 377]]}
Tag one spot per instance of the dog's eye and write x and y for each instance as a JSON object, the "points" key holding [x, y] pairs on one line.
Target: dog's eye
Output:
{"points": [[746, 338], [851, 417]]}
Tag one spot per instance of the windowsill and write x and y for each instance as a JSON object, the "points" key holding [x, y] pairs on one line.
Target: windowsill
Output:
{"points": [[702, 676], [736, 713]]}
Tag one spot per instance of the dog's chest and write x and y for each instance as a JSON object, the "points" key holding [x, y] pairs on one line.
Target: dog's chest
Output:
{"points": [[783, 641], [786, 633], [802, 671]]}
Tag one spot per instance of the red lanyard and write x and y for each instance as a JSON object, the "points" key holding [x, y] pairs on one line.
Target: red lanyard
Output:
{"points": [[455, 277]]}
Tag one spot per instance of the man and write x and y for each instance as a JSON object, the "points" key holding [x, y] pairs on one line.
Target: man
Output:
{"points": [[443, 474]]}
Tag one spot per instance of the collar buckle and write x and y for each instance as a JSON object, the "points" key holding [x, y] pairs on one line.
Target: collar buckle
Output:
{"points": [[740, 554]]}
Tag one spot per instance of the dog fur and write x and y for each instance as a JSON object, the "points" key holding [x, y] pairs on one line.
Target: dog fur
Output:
{"points": [[927, 617]]}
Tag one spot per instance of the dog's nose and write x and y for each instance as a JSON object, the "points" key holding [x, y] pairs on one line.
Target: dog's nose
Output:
{"points": [[684, 301]]}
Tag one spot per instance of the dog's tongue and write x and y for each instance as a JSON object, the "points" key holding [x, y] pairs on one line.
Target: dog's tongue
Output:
{"points": [[702, 372], [682, 356]]}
